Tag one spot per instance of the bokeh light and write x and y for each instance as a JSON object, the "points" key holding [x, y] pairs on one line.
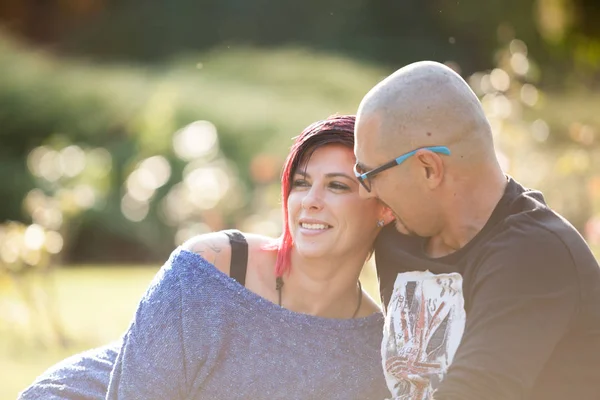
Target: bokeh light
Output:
{"points": [[206, 186], [72, 160], [540, 130], [54, 242], [134, 209], [189, 231], [160, 169], [529, 94], [517, 46], [198, 139], [141, 185], [500, 80], [34, 237], [519, 63]]}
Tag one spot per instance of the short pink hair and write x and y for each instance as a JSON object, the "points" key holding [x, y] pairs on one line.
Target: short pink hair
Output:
{"points": [[335, 129]]}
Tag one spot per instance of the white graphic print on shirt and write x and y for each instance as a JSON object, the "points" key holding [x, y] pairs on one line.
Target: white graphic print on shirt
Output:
{"points": [[424, 324]]}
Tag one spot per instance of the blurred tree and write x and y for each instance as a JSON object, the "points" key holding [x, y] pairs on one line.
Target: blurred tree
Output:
{"points": [[147, 119], [257, 99], [558, 32], [46, 22], [557, 157], [27, 258]]}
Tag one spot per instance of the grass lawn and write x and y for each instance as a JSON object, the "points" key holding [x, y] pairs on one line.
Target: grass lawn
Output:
{"points": [[95, 306]]}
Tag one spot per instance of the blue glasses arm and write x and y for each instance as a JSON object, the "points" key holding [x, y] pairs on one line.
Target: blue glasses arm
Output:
{"points": [[435, 149], [439, 149]]}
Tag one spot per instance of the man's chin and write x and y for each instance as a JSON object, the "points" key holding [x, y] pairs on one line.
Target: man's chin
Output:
{"points": [[400, 227]]}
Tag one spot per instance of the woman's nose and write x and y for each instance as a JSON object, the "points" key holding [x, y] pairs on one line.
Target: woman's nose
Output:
{"points": [[313, 199]]}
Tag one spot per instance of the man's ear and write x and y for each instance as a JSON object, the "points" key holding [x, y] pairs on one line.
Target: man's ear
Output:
{"points": [[432, 165]]}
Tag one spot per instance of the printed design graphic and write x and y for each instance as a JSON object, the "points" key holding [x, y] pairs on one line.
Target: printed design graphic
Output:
{"points": [[423, 327]]}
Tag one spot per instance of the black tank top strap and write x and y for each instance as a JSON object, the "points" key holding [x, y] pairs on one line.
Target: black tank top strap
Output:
{"points": [[239, 255]]}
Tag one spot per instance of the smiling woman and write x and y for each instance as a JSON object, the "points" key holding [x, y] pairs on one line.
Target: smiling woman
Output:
{"points": [[247, 316], [330, 220]]}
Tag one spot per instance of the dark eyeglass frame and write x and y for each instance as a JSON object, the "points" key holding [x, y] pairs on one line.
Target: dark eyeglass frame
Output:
{"points": [[363, 178]]}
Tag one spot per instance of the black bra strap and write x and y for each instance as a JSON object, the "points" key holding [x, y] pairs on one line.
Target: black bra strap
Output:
{"points": [[239, 255]]}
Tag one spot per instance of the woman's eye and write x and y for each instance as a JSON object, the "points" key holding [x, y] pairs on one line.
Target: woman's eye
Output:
{"points": [[299, 183], [339, 186]]}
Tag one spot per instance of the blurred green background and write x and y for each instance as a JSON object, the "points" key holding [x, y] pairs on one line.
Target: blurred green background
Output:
{"points": [[128, 126]]}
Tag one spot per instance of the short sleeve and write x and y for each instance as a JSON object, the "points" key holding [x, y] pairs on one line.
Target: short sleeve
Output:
{"points": [[524, 298]]}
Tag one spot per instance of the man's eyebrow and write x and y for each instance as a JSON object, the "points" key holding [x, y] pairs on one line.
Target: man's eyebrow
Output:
{"points": [[363, 167]]}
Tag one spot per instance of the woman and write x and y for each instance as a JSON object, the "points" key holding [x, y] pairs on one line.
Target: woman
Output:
{"points": [[293, 322]]}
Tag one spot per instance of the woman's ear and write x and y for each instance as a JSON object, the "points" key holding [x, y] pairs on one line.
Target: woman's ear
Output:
{"points": [[386, 215]]}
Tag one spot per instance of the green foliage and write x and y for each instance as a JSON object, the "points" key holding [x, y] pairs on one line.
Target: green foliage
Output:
{"points": [[151, 30], [548, 141], [257, 100], [562, 34]]}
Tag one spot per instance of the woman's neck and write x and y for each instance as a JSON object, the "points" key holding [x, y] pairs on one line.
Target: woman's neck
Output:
{"points": [[320, 287]]}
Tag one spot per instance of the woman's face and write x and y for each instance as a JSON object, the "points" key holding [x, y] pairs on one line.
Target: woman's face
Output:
{"points": [[326, 215]]}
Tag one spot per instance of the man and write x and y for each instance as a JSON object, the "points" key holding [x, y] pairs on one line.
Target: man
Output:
{"points": [[490, 294]]}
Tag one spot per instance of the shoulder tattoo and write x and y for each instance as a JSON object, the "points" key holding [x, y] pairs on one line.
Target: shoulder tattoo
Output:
{"points": [[209, 249]]}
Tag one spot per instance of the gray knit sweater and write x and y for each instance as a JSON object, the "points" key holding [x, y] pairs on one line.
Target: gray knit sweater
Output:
{"points": [[198, 334]]}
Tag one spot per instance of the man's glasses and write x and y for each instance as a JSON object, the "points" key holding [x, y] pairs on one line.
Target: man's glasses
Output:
{"points": [[364, 178]]}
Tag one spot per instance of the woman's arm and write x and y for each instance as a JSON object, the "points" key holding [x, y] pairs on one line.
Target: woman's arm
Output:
{"points": [[83, 376], [151, 360]]}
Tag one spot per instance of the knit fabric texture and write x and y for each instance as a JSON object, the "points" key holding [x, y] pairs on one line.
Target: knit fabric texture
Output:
{"points": [[198, 334]]}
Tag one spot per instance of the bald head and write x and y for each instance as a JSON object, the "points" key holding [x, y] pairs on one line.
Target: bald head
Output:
{"points": [[425, 104], [446, 198]]}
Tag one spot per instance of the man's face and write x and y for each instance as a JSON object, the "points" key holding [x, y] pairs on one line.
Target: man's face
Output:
{"points": [[391, 186]]}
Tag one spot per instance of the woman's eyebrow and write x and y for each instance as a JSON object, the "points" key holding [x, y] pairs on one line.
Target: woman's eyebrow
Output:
{"points": [[337, 174], [329, 175]]}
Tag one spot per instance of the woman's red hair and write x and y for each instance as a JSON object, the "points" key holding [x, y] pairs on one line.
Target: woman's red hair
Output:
{"points": [[335, 129]]}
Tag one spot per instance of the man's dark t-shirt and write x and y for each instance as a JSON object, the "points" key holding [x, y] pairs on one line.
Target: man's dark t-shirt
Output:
{"points": [[515, 314]]}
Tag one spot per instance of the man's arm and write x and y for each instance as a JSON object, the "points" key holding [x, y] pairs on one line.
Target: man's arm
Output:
{"points": [[524, 298]]}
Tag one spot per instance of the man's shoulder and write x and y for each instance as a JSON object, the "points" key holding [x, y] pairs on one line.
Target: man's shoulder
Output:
{"points": [[523, 220], [534, 241], [531, 224]]}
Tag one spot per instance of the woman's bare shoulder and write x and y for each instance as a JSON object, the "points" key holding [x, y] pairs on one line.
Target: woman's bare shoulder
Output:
{"points": [[215, 248], [260, 250]]}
